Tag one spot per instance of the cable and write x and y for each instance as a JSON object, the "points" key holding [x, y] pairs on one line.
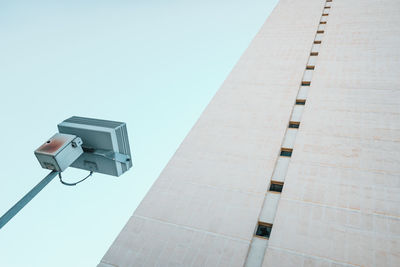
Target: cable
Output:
{"points": [[72, 184]]}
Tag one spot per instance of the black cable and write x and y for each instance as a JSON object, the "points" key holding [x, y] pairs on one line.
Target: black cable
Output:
{"points": [[72, 184]]}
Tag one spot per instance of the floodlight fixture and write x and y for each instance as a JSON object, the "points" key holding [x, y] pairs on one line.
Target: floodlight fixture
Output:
{"points": [[94, 145]]}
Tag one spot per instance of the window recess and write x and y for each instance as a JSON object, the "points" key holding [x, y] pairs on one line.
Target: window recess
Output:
{"points": [[276, 186], [264, 230], [300, 102], [294, 124], [286, 152]]}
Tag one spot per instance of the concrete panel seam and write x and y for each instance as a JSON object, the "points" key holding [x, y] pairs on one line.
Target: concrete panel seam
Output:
{"points": [[394, 217], [193, 229], [314, 256]]}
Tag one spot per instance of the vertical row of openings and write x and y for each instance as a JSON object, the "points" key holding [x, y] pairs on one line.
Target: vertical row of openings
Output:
{"points": [[276, 186], [264, 230], [286, 152]]}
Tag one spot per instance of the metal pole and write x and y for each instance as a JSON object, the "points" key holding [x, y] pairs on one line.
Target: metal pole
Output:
{"points": [[25, 200]]}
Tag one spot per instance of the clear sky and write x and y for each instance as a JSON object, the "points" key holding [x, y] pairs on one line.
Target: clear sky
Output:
{"points": [[152, 64]]}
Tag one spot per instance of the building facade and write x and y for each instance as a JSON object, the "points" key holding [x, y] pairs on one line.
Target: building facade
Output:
{"points": [[295, 161]]}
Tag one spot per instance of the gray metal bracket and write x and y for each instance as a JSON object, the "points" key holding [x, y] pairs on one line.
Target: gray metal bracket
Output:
{"points": [[122, 158]]}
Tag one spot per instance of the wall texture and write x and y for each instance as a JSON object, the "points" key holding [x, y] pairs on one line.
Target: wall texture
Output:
{"points": [[340, 204]]}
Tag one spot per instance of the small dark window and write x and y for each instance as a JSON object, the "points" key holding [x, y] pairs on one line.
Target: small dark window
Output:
{"points": [[264, 230], [317, 42], [286, 152], [276, 187], [310, 67], [320, 31], [313, 54], [294, 124], [325, 14], [322, 22], [300, 102], [304, 83]]}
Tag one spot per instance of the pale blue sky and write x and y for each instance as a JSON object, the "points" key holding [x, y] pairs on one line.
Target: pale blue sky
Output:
{"points": [[152, 64]]}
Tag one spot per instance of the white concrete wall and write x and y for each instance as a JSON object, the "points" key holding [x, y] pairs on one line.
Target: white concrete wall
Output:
{"points": [[340, 205], [203, 209]]}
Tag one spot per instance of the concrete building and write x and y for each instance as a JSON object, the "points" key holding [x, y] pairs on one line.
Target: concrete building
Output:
{"points": [[311, 109]]}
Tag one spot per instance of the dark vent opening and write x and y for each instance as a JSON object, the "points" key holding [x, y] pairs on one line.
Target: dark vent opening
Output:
{"points": [[286, 152], [276, 187], [264, 230], [294, 124]]}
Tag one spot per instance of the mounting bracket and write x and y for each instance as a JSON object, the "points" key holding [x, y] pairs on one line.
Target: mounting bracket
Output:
{"points": [[108, 154]]}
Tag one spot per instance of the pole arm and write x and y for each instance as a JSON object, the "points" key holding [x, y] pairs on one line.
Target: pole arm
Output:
{"points": [[25, 200]]}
